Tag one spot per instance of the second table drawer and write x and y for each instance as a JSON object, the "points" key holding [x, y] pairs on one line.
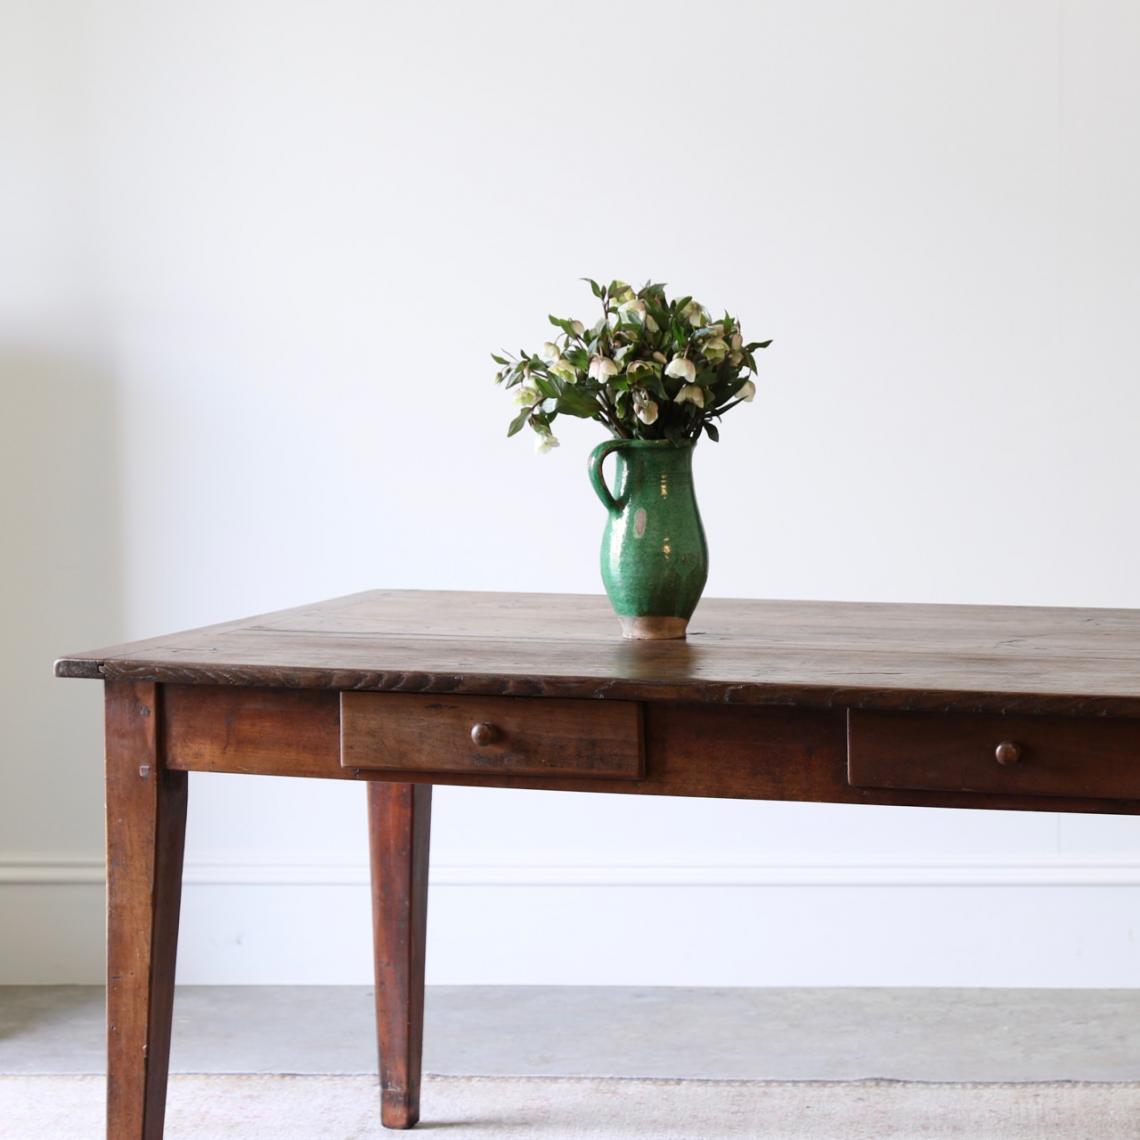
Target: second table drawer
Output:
{"points": [[1016, 755], [532, 736]]}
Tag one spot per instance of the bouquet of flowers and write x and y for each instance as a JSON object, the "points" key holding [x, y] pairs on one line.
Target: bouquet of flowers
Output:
{"points": [[650, 368]]}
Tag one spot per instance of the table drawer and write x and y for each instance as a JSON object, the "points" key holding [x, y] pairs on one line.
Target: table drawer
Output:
{"points": [[1018, 755], [417, 732]]}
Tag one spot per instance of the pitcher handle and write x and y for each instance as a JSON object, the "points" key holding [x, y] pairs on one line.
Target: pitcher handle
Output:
{"points": [[597, 479]]}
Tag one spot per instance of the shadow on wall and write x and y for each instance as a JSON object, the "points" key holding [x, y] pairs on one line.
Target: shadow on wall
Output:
{"points": [[60, 590]]}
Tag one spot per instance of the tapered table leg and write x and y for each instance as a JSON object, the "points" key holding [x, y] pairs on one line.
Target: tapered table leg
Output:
{"points": [[146, 825], [399, 821]]}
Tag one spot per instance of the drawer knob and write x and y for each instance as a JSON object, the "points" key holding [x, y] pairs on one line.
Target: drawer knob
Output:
{"points": [[483, 734], [1007, 752]]}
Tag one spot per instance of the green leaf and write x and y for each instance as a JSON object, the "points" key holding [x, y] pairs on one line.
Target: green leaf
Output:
{"points": [[711, 432], [518, 423], [661, 316], [756, 344], [594, 286], [575, 403], [499, 359]]}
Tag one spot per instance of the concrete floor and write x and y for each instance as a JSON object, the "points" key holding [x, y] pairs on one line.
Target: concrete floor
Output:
{"points": [[770, 1034]]}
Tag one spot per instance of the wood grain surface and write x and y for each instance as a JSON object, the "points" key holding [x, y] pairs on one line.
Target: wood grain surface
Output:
{"points": [[399, 828], [146, 827], [398, 732], [1040, 755], [823, 654], [759, 753]]}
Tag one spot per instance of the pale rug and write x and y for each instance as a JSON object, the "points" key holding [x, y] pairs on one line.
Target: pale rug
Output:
{"points": [[511, 1108]]}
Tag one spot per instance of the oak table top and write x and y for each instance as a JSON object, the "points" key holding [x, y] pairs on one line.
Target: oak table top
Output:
{"points": [[740, 652]]}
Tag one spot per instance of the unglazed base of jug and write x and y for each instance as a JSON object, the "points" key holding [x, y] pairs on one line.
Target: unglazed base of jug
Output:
{"points": [[653, 628]]}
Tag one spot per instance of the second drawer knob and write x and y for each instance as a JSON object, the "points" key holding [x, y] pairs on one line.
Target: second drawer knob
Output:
{"points": [[1007, 752], [483, 734]]}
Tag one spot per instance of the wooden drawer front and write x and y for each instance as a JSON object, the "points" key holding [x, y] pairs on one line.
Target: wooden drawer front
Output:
{"points": [[1043, 756], [414, 732]]}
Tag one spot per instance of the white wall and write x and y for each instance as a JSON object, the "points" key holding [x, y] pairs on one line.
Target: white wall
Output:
{"points": [[256, 255]]}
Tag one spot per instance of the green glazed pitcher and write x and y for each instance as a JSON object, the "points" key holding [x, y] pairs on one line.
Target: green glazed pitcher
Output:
{"points": [[654, 557]]}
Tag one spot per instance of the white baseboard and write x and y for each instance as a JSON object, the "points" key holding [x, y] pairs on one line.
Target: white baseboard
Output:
{"points": [[986, 922], [550, 871]]}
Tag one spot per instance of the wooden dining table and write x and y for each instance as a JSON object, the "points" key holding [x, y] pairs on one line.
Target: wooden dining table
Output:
{"points": [[1012, 708]]}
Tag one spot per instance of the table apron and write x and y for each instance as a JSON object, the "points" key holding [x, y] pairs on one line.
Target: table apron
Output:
{"points": [[701, 750]]}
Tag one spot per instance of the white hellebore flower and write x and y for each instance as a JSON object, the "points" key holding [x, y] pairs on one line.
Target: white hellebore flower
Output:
{"points": [[746, 391], [636, 305], [550, 352], [737, 342], [693, 393], [715, 350], [645, 408], [650, 323], [564, 370], [659, 357], [639, 367], [694, 313], [602, 368], [545, 442], [682, 369], [578, 327], [526, 396]]}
